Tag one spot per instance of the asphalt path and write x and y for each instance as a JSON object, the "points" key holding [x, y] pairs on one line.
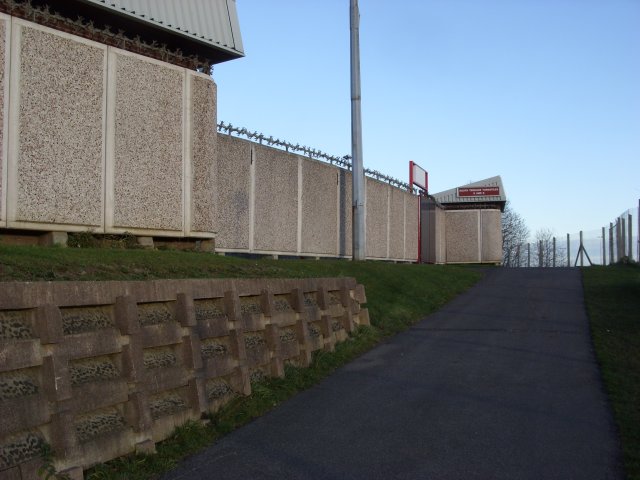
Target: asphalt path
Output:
{"points": [[502, 383]]}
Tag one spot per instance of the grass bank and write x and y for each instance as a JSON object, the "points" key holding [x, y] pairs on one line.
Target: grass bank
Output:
{"points": [[612, 295], [397, 296]]}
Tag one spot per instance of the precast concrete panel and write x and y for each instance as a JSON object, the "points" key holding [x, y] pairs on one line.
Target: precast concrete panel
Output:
{"points": [[491, 236], [319, 208], [276, 201], [148, 157], [203, 171], [463, 236], [345, 213], [396, 223], [412, 225], [233, 193], [5, 30], [377, 217], [56, 161], [441, 239]]}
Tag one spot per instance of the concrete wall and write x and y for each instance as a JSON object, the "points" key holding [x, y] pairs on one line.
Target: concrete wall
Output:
{"points": [[102, 369], [273, 202], [473, 236], [96, 138]]}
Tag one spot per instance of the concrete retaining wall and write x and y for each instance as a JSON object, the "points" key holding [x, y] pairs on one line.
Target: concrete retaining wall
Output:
{"points": [[97, 138], [274, 202], [103, 369]]}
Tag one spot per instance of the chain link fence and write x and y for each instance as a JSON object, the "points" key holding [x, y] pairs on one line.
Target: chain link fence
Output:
{"points": [[617, 242]]}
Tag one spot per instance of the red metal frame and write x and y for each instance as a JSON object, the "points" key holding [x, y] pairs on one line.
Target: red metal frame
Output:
{"points": [[411, 184]]}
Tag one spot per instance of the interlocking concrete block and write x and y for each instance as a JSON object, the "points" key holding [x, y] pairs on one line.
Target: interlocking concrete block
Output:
{"points": [[276, 200], [126, 315], [56, 378], [185, 310], [4, 105], [147, 162], [319, 208], [48, 324], [233, 195], [58, 136]]}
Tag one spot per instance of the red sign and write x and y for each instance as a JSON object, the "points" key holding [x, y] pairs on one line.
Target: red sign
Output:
{"points": [[479, 191]]}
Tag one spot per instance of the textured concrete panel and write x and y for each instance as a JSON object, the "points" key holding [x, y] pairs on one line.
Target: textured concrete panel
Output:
{"points": [[396, 224], [4, 103], [441, 237], [345, 214], [491, 236], [276, 200], [59, 130], [462, 236], [203, 153], [376, 218], [148, 150], [319, 208], [233, 192], [412, 225]]}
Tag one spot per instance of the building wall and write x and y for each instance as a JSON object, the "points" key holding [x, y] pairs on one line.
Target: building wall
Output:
{"points": [[101, 139], [473, 236], [271, 201]]}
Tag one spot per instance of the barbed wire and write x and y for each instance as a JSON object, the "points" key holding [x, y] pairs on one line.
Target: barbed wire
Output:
{"points": [[343, 162]]}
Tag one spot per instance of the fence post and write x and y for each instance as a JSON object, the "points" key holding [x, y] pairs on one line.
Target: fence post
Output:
{"points": [[568, 250], [554, 251], [581, 250], [528, 254], [623, 237], [630, 233], [611, 261], [604, 248]]}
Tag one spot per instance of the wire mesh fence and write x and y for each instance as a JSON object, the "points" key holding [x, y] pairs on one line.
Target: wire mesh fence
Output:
{"points": [[617, 242]]}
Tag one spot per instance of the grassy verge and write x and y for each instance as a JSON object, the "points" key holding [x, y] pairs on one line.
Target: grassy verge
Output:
{"points": [[612, 296], [398, 295]]}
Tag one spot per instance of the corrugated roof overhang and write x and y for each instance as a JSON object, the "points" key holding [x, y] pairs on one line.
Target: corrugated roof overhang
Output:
{"points": [[482, 194], [207, 28]]}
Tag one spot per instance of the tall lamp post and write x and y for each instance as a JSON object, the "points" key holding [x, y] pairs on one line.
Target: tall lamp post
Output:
{"points": [[358, 234]]}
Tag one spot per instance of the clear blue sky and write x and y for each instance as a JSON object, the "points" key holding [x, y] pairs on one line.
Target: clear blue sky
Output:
{"points": [[545, 93]]}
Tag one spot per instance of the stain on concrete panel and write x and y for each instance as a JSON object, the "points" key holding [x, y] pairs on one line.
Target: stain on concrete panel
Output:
{"points": [[319, 208], [233, 194], [462, 236], [396, 224], [345, 213], [411, 240], [276, 202], [203, 154], [148, 154], [59, 161], [491, 236], [376, 218]]}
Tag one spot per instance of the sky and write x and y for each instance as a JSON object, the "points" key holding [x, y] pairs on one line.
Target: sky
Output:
{"points": [[545, 93]]}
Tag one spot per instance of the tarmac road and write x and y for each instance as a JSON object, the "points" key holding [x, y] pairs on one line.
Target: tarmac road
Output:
{"points": [[502, 383]]}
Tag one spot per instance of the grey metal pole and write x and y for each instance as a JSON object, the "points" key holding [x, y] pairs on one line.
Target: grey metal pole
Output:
{"points": [[581, 250], [630, 233], [611, 261], [604, 249], [623, 238], [568, 250], [358, 234]]}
